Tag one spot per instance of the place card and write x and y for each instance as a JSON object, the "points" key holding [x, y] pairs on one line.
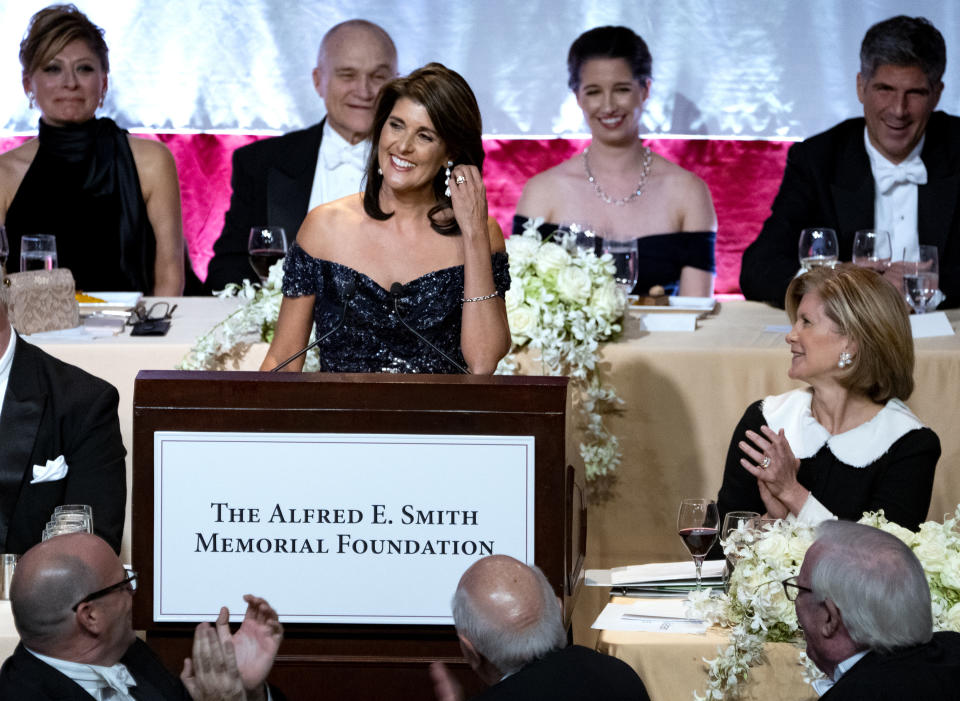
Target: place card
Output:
{"points": [[666, 321], [662, 616], [930, 324]]}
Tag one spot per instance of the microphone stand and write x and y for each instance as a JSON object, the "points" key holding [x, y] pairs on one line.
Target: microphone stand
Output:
{"points": [[396, 290], [348, 291]]}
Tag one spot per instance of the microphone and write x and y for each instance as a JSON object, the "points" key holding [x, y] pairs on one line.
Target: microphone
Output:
{"points": [[396, 291], [349, 289]]}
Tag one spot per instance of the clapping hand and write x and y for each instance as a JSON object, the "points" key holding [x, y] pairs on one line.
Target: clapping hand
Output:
{"points": [[445, 685], [772, 462]]}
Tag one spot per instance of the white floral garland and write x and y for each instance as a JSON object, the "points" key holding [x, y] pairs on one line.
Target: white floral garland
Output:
{"points": [[756, 610], [563, 302], [254, 320]]}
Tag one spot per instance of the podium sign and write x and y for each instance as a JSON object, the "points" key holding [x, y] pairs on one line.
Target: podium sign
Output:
{"points": [[333, 528]]}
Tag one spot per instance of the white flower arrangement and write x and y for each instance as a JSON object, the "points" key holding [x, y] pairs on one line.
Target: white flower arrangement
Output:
{"points": [[254, 320], [563, 302], [757, 611]]}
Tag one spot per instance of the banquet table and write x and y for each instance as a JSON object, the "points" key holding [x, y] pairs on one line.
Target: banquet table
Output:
{"points": [[672, 667], [683, 393]]}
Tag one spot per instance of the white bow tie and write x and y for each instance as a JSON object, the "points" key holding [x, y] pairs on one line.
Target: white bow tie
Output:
{"points": [[118, 678], [345, 155], [889, 176]]}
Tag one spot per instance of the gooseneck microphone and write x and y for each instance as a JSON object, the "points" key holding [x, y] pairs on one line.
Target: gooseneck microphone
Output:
{"points": [[396, 291], [349, 289]]}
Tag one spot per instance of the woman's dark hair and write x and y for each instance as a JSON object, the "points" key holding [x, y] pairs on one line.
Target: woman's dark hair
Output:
{"points": [[452, 107], [609, 42], [51, 29]]}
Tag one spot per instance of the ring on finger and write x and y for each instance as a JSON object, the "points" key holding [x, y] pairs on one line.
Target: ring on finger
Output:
{"points": [[765, 463], [461, 180]]}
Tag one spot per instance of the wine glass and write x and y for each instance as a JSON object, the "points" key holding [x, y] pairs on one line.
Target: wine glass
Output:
{"points": [[4, 250], [625, 259], [38, 252], [818, 247], [871, 249], [266, 246], [735, 523], [585, 237], [698, 523], [921, 279]]}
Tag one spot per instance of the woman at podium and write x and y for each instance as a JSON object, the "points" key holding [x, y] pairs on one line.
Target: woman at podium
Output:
{"points": [[409, 275]]}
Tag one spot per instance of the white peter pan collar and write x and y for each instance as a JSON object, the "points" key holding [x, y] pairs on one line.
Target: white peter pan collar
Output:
{"points": [[858, 447]]}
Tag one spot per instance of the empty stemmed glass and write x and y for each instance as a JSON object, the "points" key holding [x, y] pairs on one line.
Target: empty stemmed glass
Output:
{"points": [[625, 260], [736, 525], [698, 523], [818, 247], [267, 245], [871, 249], [921, 279]]}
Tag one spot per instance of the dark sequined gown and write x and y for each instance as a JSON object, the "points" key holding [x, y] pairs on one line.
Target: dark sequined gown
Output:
{"points": [[372, 338]]}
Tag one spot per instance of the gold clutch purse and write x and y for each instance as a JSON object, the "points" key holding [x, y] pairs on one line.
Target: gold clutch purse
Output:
{"points": [[42, 300]]}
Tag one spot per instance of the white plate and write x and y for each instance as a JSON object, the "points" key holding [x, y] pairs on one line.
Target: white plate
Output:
{"points": [[113, 301], [693, 305]]}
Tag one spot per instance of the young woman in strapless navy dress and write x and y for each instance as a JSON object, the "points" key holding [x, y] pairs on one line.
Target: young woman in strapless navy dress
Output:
{"points": [[618, 187], [417, 246]]}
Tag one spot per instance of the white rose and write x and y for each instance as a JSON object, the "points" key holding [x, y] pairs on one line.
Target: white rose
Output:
{"points": [[522, 251], [904, 534], [523, 321], [952, 619], [931, 547], [514, 297], [574, 285], [950, 574], [607, 301], [551, 259]]}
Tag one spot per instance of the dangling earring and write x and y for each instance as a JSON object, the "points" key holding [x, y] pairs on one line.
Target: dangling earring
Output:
{"points": [[846, 360], [102, 98], [379, 171], [30, 98], [447, 181]]}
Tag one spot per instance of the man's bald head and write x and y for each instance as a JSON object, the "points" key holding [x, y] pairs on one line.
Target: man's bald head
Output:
{"points": [[508, 613], [49, 580]]}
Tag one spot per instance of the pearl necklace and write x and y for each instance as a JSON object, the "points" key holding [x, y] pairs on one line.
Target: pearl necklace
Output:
{"points": [[638, 190]]}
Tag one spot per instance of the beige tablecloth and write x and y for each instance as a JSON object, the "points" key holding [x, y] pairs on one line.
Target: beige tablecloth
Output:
{"points": [[672, 665], [683, 394]]}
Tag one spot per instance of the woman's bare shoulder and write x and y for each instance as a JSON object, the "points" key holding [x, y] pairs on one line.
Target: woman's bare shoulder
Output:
{"points": [[326, 224], [14, 165], [540, 194], [688, 193]]}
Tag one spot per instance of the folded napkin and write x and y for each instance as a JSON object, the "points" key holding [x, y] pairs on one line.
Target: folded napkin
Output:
{"points": [[54, 470]]}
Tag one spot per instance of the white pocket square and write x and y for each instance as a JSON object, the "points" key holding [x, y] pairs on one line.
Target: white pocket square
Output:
{"points": [[54, 470]]}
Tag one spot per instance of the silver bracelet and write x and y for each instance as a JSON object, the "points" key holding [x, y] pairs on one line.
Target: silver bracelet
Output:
{"points": [[479, 299]]}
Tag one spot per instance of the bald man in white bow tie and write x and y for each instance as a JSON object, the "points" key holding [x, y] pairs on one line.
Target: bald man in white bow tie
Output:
{"points": [[896, 169], [72, 601], [277, 181]]}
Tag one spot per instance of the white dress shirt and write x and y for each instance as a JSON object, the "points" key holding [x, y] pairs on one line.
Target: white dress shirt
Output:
{"points": [[895, 198], [6, 361], [102, 683], [821, 686], [340, 168]]}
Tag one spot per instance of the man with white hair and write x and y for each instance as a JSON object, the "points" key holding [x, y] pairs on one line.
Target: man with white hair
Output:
{"points": [[511, 632], [59, 443], [864, 605], [277, 181]]}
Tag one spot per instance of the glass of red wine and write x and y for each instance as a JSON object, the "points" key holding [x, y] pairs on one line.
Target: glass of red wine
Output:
{"points": [[267, 245], [698, 523]]}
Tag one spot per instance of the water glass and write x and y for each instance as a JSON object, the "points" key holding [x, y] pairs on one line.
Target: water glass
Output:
{"points": [[625, 260], [585, 237], [38, 252], [871, 249], [266, 245], [921, 279], [8, 563], [818, 247], [736, 526]]}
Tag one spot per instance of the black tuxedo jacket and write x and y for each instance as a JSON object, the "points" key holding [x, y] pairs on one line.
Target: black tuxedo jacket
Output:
{"points": [[51, 409], [574, 673], [930, 671], [271, 184], [23, 676], [828, 182]]}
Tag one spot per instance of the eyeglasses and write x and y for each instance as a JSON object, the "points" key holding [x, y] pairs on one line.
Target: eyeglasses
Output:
{"points": [[128, 582], [792, 590], [158, 311]]}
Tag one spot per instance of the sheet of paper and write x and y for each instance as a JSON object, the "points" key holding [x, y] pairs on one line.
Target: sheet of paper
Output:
{"points": [[666, 321], [930, 324], [625, 617], [663, 572]]}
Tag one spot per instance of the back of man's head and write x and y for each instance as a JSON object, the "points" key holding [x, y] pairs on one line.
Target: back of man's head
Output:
{"points": [[508, 612], [49, 579], [904, 41], [876, 582]]}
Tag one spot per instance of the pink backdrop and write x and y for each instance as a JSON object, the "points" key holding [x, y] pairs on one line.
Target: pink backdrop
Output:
{"points": [[743, 177]]}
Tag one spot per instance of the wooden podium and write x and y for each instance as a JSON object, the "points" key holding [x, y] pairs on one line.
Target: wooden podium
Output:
{"points": [[361, 661]]}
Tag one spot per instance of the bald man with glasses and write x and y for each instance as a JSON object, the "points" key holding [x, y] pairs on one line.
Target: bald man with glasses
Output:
{"points": [[72, 603]]}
